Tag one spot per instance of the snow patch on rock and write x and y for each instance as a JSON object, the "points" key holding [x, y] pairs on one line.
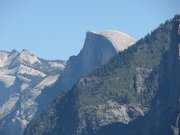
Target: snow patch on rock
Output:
{"points": [[56, 65], [26, 112], [46, 82], [3, 58], [26, 56], [30, 71], [9, 105], [7, 80], [6, 71], [24, 86]]}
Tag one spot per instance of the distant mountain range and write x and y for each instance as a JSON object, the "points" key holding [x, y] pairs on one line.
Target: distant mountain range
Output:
{"points": [[136, 92], [23, 76], [29, 84]]}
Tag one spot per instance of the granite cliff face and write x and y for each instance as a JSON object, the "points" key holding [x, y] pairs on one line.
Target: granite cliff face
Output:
{"points": [[23, 76], [98, 48], [135, 93]]}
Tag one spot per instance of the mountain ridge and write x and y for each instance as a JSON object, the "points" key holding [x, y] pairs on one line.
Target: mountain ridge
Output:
{"points": [[121, 91], [163, 118], [31, 80], [22, 78]]}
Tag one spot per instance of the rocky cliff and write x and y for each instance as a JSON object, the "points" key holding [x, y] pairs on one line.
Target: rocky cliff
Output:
{"points": [[135, 93], [98, 48]]}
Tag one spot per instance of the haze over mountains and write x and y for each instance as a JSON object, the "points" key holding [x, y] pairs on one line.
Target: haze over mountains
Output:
{"points": [[29, 84], [134, 93]]}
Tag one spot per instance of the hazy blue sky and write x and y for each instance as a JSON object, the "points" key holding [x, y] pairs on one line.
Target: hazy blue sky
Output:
{"points": [[55, 29]]}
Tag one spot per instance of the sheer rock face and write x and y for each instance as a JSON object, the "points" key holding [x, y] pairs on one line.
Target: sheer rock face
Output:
{"points": [[98, 48], [23, 76]]}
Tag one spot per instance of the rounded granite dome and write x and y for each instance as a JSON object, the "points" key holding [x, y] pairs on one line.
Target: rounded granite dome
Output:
{"points": [[119, 40]]}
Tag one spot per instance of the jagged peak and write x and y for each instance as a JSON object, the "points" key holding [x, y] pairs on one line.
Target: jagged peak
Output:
{"points": [[3, 51], [29, 57], [119, 40], [3, 58], [25, 50], [14, 51]]}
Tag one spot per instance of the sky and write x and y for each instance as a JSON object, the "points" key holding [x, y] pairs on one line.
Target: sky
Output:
{"points": [[56, 29]]}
